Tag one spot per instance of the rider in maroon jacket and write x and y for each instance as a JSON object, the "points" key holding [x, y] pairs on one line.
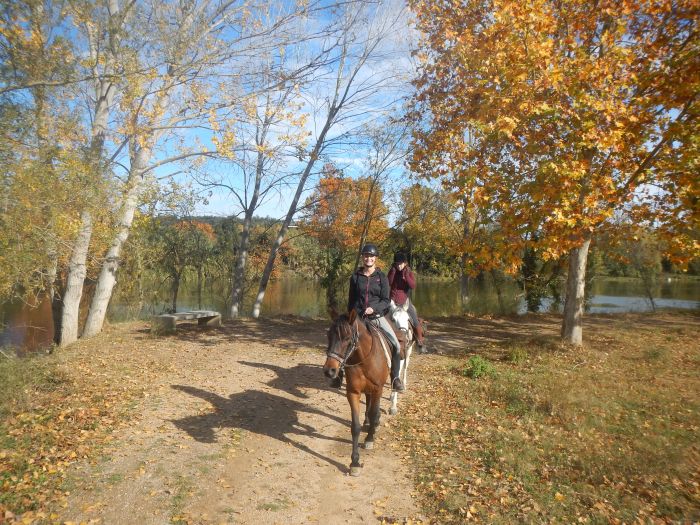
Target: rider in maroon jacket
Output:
{"points": [[401, 281]]}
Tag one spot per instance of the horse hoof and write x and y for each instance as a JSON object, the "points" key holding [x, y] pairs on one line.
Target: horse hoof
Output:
{"points": [[369, 445], [393, 411], [355, 471]]}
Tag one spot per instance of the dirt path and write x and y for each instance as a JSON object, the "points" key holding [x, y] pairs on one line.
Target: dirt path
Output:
{"points": [[239, 427]]}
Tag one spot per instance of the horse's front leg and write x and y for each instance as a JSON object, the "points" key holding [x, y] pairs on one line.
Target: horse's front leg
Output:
{"points": [[373, 402], [404, 365], [393, 403], [355, 428], [394, 397]]}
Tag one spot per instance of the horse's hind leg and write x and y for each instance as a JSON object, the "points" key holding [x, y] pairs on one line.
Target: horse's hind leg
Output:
{"points": [[374, 415], [355, 428]]}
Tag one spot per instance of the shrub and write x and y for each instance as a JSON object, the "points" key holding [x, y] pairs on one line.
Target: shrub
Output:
{"points": [[517, 355], [477, 367]]}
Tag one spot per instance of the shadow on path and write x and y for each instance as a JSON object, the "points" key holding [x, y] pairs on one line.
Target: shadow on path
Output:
{"points": [[286, 332], [292, 379], [258, 412]]}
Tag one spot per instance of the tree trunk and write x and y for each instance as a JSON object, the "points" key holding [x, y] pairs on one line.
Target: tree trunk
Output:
{"points": [[54, 294], [104, 95], [75, 281], [466, 234], [200, 278], [572, 324], [464, 282], [497, 280], [290, 213], [238, 288], [108, 274], [367, 220], [175, 290]]}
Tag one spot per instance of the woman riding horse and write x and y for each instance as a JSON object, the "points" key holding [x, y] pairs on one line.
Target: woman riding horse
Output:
{"points": [[401, 282], [369, 297], [354, 347]]}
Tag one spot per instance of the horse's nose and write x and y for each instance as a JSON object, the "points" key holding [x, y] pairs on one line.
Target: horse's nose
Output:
{"points": [[330, 372]]}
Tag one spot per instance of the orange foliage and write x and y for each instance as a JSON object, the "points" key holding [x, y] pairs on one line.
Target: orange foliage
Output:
{"points": [[202, 228], [553, 116], [337, 217]]}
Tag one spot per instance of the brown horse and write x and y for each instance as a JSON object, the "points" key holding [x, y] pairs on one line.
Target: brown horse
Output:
{"points": [[357, 350]]}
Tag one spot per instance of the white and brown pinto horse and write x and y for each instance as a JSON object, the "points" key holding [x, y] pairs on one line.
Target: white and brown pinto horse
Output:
{"points": [[402, 321]]}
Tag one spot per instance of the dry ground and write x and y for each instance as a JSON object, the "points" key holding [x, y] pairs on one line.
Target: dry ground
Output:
{"points": [[238, 425]]}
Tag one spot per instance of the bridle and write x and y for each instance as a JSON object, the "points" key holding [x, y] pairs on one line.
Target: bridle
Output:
{"points": [[352, 346]]}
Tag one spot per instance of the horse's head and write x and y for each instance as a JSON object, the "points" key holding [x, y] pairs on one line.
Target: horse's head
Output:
{"points": [[342, 340], [399, 314]]}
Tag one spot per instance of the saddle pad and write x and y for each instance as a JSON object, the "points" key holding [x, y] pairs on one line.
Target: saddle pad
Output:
{"points": [[385, 344]]}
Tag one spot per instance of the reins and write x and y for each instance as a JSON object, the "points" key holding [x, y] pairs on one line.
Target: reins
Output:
{"points": [[343, 360]]}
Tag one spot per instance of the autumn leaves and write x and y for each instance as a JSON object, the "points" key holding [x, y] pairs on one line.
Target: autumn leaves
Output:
{"points": [[553, 118]]}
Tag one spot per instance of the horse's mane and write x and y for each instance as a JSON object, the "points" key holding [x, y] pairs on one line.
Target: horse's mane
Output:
{"points": [[342, 326]]}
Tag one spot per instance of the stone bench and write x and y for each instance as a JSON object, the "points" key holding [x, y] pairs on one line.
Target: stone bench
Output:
{"points": [[168, 322]]}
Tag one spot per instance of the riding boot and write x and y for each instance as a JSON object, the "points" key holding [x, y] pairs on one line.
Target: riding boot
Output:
{"points": [[338, 381], [396, 383]]}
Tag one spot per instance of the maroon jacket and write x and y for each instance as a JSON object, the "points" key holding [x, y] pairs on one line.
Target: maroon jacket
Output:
{"points": [[400, 283]]}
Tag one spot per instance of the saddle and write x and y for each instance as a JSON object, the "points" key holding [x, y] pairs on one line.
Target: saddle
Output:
{"points": [[386, 344], [400, 335]]}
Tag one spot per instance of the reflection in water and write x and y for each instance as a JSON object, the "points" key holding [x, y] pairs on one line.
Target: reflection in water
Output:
{"points": [[297, 296], [26, 327], [31, 328]]}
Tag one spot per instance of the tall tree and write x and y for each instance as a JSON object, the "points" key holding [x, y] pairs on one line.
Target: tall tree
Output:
{"points": [[195, 51], [256, 140], [386, 151], [573, 110], [103, 26], [353, 92], [43, 155], [339, 212]]}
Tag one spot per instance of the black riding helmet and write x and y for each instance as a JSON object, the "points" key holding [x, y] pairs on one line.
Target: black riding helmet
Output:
{"points": [[370, 249]]}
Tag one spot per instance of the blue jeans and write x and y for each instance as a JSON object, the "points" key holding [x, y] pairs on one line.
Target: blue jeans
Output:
{"points": [[388, 330]]}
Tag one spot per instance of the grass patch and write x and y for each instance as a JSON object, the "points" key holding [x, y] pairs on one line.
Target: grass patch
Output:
{"points": [[592, 435], [22, 378], [275, 505], [656, 353], [181, 488], [114, 478]]}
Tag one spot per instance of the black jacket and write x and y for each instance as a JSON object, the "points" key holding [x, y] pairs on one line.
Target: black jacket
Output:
{"points": [[369, 291]]}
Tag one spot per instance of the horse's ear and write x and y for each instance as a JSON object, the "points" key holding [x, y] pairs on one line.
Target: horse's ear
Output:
{"points": [[333, 313], [351, 316]]}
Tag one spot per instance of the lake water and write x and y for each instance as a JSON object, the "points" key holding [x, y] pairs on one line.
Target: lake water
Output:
{"points": [[432, 298], [30, 328]]}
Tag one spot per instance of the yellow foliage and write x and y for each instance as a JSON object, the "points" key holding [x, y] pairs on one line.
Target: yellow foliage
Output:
{"points": [[551, 116]]}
